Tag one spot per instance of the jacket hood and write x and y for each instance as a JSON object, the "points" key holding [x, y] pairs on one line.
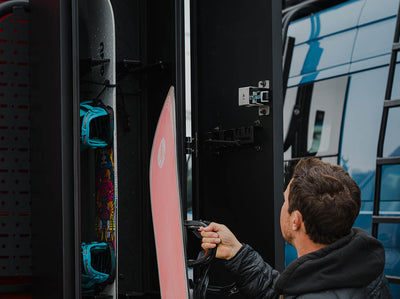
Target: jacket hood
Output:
{"points": [[352, 261]]}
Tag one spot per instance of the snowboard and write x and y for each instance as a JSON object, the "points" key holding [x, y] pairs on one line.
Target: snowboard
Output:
{"points": [[166, 206]]}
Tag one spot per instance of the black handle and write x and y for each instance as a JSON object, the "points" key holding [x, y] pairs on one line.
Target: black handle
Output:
{"points": [[205, 256]]}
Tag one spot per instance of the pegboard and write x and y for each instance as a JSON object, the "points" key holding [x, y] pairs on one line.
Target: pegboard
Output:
{"points": [[15, 198]]}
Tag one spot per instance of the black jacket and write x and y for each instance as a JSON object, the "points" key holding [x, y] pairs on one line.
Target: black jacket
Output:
{"points": [[351, 267]]}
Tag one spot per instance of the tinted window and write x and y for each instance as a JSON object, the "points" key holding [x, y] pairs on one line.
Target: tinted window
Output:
{"points": [[391, 146], [361, 129], [313, 118], [390, 191]]}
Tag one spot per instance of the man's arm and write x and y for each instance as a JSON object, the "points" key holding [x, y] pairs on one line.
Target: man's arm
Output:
{"points": [[254, 277]]}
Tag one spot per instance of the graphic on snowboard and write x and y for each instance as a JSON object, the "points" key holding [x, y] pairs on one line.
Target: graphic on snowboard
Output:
{"points": [[166, 207], [105, 199]]}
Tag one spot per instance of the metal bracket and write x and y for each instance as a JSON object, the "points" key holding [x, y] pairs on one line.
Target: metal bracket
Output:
{"points": [[87, 64], [231, 138], [256, 97]]}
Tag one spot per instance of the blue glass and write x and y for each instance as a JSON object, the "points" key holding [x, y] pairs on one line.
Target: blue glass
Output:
{"points": [[374, 10], [364, 221], [374, 39], [396, 86], [391, 145], [389, 236], [324, 53], [390, 189], [348, 12], [290, 254], [361, 127], [395, 290]]}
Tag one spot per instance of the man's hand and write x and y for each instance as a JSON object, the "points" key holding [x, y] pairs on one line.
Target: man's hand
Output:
{"points": [[219, 234]]}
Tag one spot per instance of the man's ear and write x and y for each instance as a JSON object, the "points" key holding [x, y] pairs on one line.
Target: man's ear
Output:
{"points": [[296, 220]]}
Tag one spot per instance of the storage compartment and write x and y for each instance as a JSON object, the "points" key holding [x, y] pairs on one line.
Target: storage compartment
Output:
{"points": [[98, 142], [120, 58]]}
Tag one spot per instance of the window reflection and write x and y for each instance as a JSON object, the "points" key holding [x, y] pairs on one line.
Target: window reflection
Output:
{"points": [[391, 146], [387, 234], [316, 139], [313, 118], [390, 191]]}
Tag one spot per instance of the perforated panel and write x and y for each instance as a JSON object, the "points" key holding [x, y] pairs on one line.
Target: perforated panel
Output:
{"points": [[15, 200]]}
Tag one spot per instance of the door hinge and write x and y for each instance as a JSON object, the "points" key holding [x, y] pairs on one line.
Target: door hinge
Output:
{"points": [[191, 145]]}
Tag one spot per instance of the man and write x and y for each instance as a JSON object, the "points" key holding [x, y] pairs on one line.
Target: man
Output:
{"points": [[334, 259]]}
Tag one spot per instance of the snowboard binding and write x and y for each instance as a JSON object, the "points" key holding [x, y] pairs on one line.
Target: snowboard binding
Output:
{"points": [[98, 266], [97, 124]]}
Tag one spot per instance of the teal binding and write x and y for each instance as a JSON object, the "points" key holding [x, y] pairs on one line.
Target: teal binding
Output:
{"points": [[98, 266], [97, 125]]}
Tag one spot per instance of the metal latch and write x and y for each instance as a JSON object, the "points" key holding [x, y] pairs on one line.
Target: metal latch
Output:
{"points": [[260, 96]]}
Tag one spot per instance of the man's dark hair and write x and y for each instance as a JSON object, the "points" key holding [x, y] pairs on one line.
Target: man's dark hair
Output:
{"points": [[327, 197]]}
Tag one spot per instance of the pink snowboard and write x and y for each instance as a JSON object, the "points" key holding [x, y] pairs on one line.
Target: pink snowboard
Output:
{"points": [[166, 206]]}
